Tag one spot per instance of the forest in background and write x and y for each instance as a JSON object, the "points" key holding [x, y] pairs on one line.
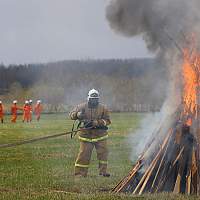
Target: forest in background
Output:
{"points": [[123, 84]]}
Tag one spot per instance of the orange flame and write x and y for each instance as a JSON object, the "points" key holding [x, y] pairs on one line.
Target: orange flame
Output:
{"points": [[191, 73]]}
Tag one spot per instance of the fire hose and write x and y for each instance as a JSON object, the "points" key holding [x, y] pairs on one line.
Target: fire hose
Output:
{"points": [[73, 132], [28, 141]]}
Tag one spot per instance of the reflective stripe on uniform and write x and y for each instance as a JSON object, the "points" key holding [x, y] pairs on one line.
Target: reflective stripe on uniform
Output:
{"points": [[103, 162], [79, 165], [93, 140]]}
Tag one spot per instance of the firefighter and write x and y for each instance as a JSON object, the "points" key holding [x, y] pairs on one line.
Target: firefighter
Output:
{"points": [[31, 109], [1, 112], [14, 110], [26, 112], [38, 110], [95, 117]]}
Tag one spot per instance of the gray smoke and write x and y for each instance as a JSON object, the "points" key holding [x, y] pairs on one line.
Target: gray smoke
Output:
{"points": [[156, 20], [167, 26]]}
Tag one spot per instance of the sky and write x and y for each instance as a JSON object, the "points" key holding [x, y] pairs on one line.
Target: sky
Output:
{"points": [[36, 31]]}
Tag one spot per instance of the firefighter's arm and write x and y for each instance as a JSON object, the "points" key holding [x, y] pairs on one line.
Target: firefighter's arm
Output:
{"points": [[73, 114], [77, 113], [105, 120]]}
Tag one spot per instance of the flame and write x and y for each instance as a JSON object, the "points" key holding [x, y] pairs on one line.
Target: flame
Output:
{"points": [[191, 83]]}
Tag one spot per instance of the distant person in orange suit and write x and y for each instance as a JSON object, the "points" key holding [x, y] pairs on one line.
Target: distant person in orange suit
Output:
{"points": [[14, 110], [38, 110], [31, 109], [26, 112], [1, 112]]}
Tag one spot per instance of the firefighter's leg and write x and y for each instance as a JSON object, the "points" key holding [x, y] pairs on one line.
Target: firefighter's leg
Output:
{"points": [[24, 117], [38, 117], [1, 117], [102, 156], [28, 118], [14, 118], [83, 159]]}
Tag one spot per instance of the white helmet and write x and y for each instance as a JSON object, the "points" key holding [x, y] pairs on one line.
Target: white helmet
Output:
{"points": [[26, 102], [15, 101], [30, 101], [93, 94], [39, 101], [0, 102]]}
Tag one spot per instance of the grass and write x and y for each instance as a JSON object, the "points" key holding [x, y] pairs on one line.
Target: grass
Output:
{"points": [[44, 170], [47, 166]]}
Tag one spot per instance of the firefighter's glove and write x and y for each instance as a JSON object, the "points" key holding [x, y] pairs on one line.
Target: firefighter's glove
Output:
{"points": [[99, 123], [88, 124], [102, 122], [95, 123]]}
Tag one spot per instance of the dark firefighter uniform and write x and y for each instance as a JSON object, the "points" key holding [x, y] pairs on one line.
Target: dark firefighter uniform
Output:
{"points": [[96, 137]]}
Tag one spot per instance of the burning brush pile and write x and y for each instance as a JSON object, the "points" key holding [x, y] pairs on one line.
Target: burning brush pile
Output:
{"points": [[171, 159]]}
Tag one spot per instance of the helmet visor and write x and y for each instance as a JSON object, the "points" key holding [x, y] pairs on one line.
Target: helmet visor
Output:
{"points": [[94, 95]]}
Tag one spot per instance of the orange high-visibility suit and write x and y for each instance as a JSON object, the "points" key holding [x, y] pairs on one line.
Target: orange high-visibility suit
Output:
{"points": [[26, 113], [14, 110], [30, 112], [1, 113], [38, 110]]}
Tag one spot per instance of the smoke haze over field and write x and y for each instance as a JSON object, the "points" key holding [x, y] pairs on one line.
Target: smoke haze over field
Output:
{"points": [[120, 83]]}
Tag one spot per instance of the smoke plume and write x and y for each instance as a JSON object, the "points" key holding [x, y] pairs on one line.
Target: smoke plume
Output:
{"points": [[166, 26], [159, 21]]}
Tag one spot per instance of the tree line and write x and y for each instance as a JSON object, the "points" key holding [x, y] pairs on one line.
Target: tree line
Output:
{"points": [[123, 84]]}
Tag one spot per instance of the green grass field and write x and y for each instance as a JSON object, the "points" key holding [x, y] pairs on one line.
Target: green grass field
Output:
{"points": [[44, 170]]}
